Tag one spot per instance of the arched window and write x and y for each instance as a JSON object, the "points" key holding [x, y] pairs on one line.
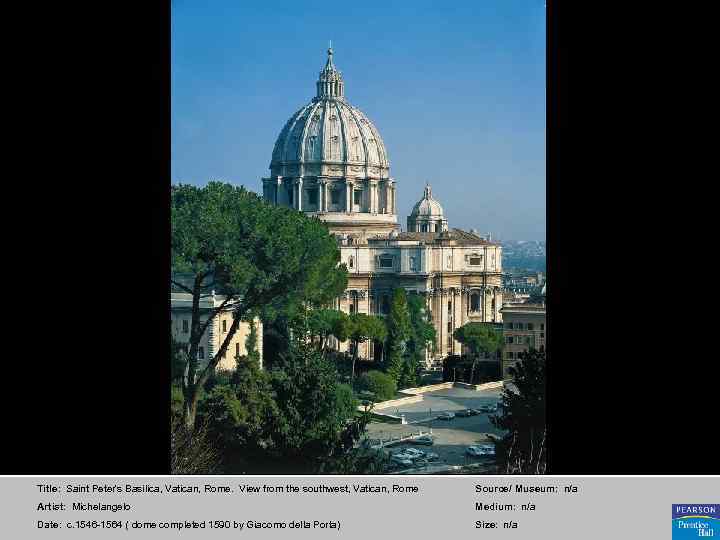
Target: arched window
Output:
{"points": [[351, 262], [475, 302]]}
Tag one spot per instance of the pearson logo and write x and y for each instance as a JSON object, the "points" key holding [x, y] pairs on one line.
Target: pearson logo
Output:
{"points": [[696, 521]]}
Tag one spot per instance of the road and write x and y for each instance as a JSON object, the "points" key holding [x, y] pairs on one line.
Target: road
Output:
{"points": [[452, 437]]}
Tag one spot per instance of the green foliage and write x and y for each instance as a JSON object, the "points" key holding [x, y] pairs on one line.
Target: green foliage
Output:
{"points": [[479, 337], [239, 411], [345, 399], [398, 325], [176, 399], [258, 252], [408, 376], [362, 327], [218, 377], [312, 412], [382, 385], [422, 331], [268, 259], [251, 344], [522, 449], [323, 323]]}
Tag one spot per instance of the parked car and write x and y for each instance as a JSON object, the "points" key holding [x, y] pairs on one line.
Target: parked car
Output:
{"points": [[425, 439], [482, 450], [464, 413], [402, 460], [432, 456], [446, 416], [474, 412], [489, 449], [413, 452], [421, 462]]}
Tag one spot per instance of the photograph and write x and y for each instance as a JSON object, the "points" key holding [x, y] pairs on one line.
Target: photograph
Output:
{"points": [[358, 256]]}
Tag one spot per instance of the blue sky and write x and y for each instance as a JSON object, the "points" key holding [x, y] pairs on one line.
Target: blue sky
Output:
{"points": [[456, 89]]}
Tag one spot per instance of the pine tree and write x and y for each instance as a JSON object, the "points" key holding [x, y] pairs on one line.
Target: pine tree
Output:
{"points": [[399, 331]]}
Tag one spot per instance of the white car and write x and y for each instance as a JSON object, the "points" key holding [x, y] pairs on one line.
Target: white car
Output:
{"points": [[481, 450], [432, 456], [425, 439], [446, 416], [414, 452]]}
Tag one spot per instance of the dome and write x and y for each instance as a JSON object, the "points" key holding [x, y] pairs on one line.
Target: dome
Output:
{"points": [[330, 137], [427, 215], [427, 206]]}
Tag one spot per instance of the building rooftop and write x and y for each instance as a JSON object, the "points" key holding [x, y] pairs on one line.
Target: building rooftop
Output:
{"points": [[458, 236], [523, 308]]}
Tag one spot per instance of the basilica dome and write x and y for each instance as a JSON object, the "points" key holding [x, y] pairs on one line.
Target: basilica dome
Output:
{"points": [[330, 137]]}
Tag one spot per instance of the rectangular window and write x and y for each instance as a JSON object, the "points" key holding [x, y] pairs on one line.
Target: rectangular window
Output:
{"points": [[237, 349], [542, 326], [510, 355], [357, 197], [475, 261], [530, 326], [508, 325], [386, 262], [290, 196], [509, 340], [335, 196], [185, 326], [224, 326], [312, 196], [201, 353], [450, 326]]}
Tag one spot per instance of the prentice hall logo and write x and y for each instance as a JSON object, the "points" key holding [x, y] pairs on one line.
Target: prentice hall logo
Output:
{"points": [[696, 521]]}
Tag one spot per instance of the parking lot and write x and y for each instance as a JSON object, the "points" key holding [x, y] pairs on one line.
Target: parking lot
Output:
{"points": [[452, 437]]}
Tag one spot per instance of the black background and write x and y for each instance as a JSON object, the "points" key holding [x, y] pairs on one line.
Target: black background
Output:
{"points": [[633, 372]]}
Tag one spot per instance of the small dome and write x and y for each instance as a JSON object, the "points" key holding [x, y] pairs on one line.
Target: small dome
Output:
{"points": [[427, 215], [427, 206]]}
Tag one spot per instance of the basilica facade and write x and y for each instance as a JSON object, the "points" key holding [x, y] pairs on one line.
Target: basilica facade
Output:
{"points": [[330, 161]]}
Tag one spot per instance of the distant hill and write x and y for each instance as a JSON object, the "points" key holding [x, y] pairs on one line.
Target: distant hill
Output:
{"points": [[524, 255]]}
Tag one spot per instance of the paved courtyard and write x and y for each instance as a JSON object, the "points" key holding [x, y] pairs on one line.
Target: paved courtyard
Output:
{"points": [[452, 437]]}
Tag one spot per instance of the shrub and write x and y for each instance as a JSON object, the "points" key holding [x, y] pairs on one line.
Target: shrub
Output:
{"points": [[379, 383]]}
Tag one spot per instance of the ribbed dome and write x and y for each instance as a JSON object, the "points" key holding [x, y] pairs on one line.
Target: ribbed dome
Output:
{"points": [[427, 206], [329, 130]]}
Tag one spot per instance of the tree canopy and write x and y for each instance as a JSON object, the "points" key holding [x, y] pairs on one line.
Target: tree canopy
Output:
{"points": [[479, 337], [399, 331], [323, 323], [264, 259], [362, 327], [522, 450]]}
